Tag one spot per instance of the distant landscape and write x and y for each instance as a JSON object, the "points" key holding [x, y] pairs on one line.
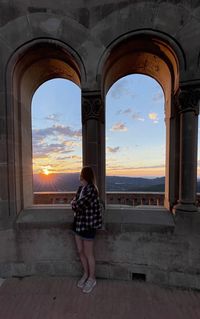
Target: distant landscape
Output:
{"points": [[70, 182]]}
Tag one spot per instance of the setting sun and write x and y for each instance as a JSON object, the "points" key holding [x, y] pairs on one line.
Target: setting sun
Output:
{"points": [[45, 171]]}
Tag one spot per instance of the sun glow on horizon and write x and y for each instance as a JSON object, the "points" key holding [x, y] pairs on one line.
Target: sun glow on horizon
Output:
{"points": [[46, 171], [145, 172]]}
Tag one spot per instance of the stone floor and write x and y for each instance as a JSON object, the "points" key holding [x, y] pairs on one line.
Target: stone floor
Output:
{"points": [[59, 298]]}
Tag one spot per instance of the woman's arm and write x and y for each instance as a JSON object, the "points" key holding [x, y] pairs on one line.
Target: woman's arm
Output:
{"points": [[89, 195], [74, 200]]}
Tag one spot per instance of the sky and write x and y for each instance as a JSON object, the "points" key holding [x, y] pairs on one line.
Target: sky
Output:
{"points": [[135, 128], [56, 127]]}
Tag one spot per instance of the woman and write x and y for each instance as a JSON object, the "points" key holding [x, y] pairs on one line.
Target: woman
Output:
{"points": [[87, 218]]}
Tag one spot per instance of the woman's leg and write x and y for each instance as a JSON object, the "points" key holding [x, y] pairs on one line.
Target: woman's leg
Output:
{"points": [[88, 246], [80, 248]]}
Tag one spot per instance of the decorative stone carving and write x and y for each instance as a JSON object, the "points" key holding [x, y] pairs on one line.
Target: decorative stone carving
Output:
{"points": [[92, 107], [188, 100]]}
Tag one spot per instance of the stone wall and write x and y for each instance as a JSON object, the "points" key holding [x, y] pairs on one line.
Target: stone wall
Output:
{"points": [[84, 41], [149, 244]]}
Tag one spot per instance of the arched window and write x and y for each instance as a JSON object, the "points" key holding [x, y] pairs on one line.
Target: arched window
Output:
{"points": [[56, 138], [135, 135], [38, 62], [148, 55]]}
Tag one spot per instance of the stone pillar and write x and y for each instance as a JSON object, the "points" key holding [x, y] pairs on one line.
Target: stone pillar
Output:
{"points": [[189, 110], [4, 191], [7, 194], [93, 129], [172, 122]]}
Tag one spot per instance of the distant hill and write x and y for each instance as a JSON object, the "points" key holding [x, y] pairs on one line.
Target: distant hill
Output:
{"points": [[120, 183], [55, 182], [70, 182]]}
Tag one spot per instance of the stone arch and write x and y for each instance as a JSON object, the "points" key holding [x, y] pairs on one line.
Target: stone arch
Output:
{"points": [[29, 67], [150, 55]]}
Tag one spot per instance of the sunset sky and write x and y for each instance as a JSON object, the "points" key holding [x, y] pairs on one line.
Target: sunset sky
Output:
{"points": [[135, 128], [56, 127]]}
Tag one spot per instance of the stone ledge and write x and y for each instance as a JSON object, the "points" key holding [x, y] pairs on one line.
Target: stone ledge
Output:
{"points": [[45, 217], [116, 218]]}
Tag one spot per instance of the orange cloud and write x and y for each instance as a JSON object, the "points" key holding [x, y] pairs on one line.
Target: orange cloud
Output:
{"points": [[153, 117], [137, 173], [118, 170]]}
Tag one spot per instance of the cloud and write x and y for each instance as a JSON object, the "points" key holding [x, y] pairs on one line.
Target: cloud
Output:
{"points": [[122, 167], [158, 97], [39, 135], [119, 127], [66, 151], [121, 89], [113, 149], [126, 111], [153, 117], [76, 157], [71, 143], [147, 167], [40, 155], [66, 130], [43, 150], [136, 116], [53, 117], [72, 157]]}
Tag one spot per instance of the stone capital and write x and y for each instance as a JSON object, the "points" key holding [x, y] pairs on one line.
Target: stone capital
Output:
{"points": [[188, 100], [92, 106]]}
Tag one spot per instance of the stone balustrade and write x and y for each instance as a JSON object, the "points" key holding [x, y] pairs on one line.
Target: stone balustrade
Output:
{"points": [[135, 198], [46, 198], [121, 198]]}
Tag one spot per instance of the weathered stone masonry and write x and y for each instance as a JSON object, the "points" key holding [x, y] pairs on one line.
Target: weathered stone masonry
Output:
{"points": [[93, 44]]}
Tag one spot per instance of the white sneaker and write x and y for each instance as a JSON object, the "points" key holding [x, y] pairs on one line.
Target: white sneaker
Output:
{"points": [[81, 282], [89, 285]]}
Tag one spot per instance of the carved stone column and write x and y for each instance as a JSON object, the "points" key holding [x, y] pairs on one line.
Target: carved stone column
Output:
{"points": [[172, 153], [93, 123], [189, 110]]}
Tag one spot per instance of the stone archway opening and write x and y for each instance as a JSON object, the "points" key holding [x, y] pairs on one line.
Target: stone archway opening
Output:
{"points": [[135, 140], [151, 56], [56, 140], [28, 69]]}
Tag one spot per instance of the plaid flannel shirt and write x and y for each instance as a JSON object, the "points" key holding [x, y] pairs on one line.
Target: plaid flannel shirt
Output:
{"points": [[87, 211]]}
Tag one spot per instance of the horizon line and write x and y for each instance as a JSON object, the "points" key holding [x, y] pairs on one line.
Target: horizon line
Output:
{"points": [[130, 176]]}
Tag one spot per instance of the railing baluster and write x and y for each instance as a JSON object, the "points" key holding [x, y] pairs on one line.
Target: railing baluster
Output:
{"points": [[120, 198]]}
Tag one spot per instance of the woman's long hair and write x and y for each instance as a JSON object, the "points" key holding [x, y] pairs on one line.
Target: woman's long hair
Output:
{"points": [[88, 175]]}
